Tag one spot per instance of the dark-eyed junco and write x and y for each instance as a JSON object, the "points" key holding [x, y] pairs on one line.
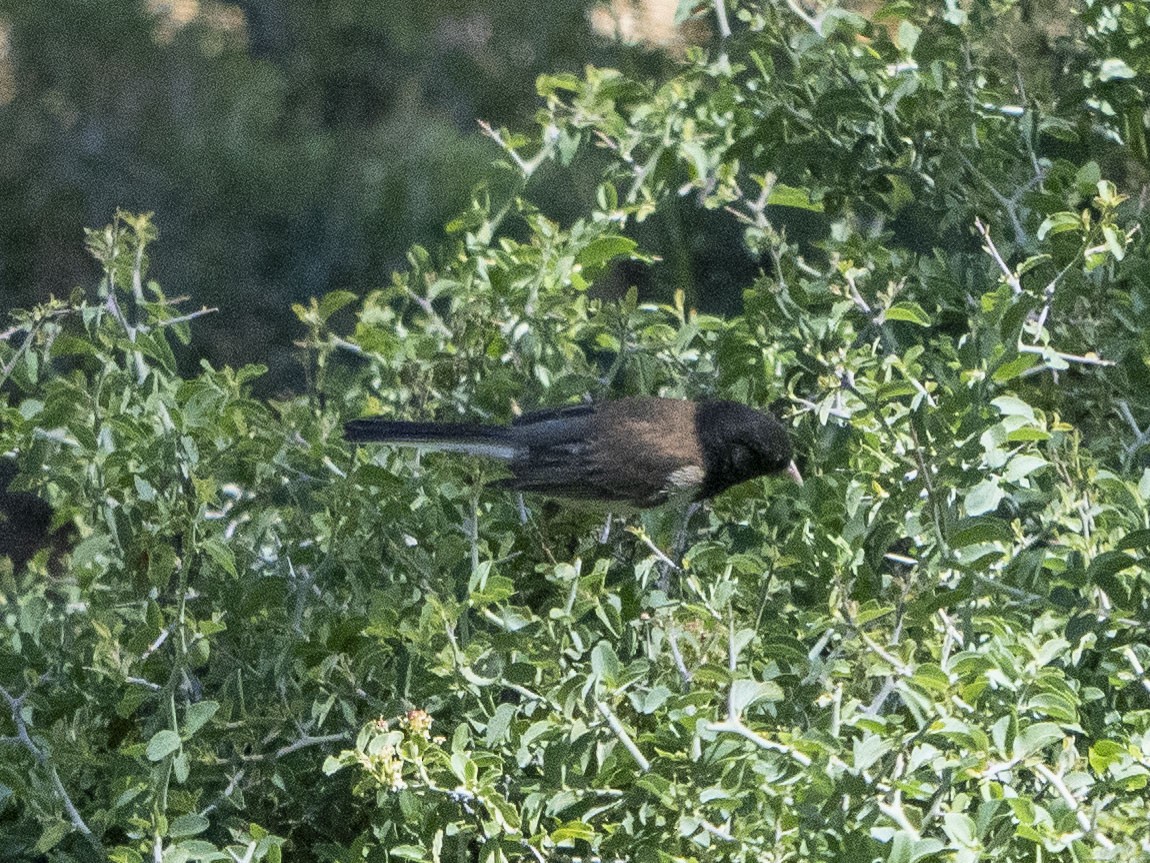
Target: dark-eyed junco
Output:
{"points": [[639, 451]]}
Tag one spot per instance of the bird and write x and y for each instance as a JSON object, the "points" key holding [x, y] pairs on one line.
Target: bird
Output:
{"points": [[638, 451]]}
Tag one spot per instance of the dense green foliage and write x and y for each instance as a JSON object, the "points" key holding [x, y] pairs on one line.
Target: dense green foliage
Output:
{"points": [[264, 643]]}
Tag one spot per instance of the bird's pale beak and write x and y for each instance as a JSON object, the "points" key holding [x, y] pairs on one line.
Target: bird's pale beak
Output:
{"points": [[793, 473]]}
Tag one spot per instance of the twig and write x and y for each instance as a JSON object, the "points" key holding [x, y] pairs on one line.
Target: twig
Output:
{"points": [[620, 732], [16, 706], [1071, 801], [1132, 658], [140, 681], [855, 295], [1009, 589], [183, 319], [1008, 274], [718, 832], [875, 707], [655, 550], [721, 16], [307, 741], [1124, 409], [535, 852], [1070, 358], [160, 639], [802, 14], [840, 413], [900, 558], [494, 135], [736, 726], [350, 347], [896, 663], [677, 658], [895, 813], [301, 588], [526, 166]]}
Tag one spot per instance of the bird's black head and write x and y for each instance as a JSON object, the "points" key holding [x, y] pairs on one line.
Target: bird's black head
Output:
{"points": [[740, 443]]}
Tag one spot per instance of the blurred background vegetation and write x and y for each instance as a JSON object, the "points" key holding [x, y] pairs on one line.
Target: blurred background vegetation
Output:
{"points": [[287, 149]]}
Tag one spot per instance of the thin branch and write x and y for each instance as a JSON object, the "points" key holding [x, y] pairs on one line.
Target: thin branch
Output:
{"points": [[160, 639], [140, 681], [303, 742], [855, 295], [620, 732], [895, 813], [721, 17], [802, 14], [307, 741], [493, 133], [1072, 802], [892, 660], [1132, 658], [677, 658], [876, 705], [1069, 358], [655, 550], [183, 319], [840, 413], [736, 726], [988, 244], [16, 706]]}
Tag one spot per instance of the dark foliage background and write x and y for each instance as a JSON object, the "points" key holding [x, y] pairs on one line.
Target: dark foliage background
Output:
{"points": [[287, 149]]}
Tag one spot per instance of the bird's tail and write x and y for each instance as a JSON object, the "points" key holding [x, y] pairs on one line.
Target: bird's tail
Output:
{"points": [[487, 441]]}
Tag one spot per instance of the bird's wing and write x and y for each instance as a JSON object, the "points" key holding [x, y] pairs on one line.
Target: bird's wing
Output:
{"points": [[559, 413], [589, 451]]}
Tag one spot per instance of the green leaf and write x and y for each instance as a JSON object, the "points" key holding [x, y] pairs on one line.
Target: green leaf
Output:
{"points": [[334, 301], [1022, 466], [960, 828], [1135, 539], [197, 715], [744, 693], [911, 312], [603, 250], [51, 835], [500, 722], [1105, 754], [1033, 738], [1013, 407], [1058, 223], [409, 852], [1115, 67], [1108, 563], [1008, 371], [984, 497], [162, 744], [783, 195], [188, 825], [572, 831], [1115, 241], [605, 663], [973, 531], [220, 554]]}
